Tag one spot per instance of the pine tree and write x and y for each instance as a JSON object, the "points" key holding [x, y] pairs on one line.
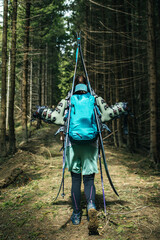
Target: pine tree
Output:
{"points": [[25, 71], [3, 149], [12, 140], [152, 84]]}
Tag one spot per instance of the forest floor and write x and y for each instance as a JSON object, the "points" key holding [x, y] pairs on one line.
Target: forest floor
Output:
{"points": [[27, 212]]}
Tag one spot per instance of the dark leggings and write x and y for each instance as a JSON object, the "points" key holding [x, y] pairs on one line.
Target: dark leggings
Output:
{"points": [[89, 189]]}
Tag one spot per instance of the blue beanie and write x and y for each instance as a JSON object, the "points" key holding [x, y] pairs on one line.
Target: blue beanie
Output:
{"points": [[80, 87]]}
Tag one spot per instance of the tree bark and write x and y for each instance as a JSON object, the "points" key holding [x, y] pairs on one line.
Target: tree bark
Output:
{"points": [[8, 87], [31, 88], [25, 72], [43, 82], [46, 75], [12, 139], [3, 149], [39, 85], [152, 84]]}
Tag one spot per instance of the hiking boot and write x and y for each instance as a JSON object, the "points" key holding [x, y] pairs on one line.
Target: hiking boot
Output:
{"points": [[76, 218], [92, 218]]}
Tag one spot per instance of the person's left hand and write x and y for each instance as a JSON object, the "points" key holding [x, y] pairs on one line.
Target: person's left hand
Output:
{"points": [[62, 136]]}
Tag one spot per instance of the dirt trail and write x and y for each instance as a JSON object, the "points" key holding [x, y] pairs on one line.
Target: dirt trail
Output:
{"points": [[27, 212]]}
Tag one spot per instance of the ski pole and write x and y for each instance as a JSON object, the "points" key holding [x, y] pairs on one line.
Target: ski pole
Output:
{"points": [[100, 165], [68, 121]]}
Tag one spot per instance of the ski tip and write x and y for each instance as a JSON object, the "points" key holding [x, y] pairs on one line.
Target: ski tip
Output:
{"points": [[117, 194], [53, 201]]}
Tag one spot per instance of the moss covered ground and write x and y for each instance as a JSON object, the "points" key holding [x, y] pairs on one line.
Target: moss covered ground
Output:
{"points": [[26, 205]]}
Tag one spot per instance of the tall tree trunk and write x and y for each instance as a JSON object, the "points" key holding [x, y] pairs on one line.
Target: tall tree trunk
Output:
{"points": [[12, 139], [135, 104], [43, 82], [31, 88], [117, 76], [39, 85], [153, 84], [8, 87], [49, 77], [3, 149], [46, 75], [85, 33], [25, 72]]}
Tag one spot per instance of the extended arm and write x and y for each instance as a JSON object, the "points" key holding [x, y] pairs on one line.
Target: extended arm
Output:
{"points": [[50, 115], [110, 113]]}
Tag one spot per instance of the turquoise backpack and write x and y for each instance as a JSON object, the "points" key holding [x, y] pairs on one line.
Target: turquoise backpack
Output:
{"points": [[83, 127]]}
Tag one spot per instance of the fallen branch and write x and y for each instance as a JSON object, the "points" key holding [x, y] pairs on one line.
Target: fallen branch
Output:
{"points": [[11, 178], [132, 211], [110, 134], [21, 110]]}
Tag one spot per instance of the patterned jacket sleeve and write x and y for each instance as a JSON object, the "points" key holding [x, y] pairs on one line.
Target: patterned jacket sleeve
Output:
{"points": [[56, 115], [112, 112]]}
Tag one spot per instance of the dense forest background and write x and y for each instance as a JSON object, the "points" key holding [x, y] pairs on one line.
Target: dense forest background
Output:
{"points": [[120, 41]]}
